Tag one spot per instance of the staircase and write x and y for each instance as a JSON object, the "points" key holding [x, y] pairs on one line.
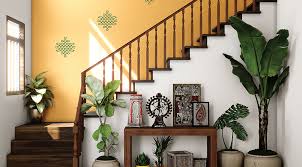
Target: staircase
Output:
{"points": [[47, 145], [172, 39]]}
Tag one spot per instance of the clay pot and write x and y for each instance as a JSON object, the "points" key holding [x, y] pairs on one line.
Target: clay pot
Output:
{"points": [[262, 161], [230, 158], [107, 163], [35, 116]]}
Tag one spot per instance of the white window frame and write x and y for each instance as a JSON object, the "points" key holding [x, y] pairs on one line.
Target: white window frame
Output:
{"points": [[13, 86]]}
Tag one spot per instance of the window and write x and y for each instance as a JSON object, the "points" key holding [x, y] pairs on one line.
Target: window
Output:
{"points": [[15, 44]]}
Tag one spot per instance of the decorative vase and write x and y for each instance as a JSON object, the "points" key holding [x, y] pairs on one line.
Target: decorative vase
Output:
{"points": [[35, 116], [262, 161], [136, 111], [106, 163], [230, 158]]}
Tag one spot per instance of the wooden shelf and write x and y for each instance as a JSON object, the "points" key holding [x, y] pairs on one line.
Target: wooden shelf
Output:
{"points": [[210, 132]]}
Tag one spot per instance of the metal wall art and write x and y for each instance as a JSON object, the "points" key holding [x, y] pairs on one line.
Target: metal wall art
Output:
{"points": [[183, 96], [201, 113], [136, 111], [159, 107]]}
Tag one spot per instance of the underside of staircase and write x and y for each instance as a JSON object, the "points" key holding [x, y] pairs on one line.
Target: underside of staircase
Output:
{"points": [[47, 145]]}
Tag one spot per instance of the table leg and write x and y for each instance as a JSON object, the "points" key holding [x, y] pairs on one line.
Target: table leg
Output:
{"points": [[212, 151], [128, 150]]}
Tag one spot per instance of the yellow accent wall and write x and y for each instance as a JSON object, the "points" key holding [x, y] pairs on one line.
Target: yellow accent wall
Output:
{"points": [[52, 20]]}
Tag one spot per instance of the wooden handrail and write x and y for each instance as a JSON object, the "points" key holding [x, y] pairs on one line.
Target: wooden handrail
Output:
{"points": [[205, 14]]}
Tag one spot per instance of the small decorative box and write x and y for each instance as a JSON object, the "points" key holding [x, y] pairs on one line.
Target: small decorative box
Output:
{"points": [[180, 159]]}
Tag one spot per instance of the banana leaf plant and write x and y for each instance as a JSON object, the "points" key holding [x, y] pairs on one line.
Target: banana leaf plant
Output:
{"points": [[230, 120], [101, 100], [37, 93], [263, 71]]}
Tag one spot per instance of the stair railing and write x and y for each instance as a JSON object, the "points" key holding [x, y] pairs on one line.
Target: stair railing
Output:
{"points": [[136, 60]]}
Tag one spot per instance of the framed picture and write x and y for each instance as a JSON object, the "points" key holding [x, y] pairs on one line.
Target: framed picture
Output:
{"points": [[201, 113], [183, 96], [200, 162]]}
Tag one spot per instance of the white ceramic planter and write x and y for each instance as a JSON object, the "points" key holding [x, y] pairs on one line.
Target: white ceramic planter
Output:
{"points": [[232, 158], [262, 161], [110, 163]]}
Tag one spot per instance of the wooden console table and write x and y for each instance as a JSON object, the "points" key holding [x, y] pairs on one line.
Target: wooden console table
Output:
{"points": [[210, 132]]}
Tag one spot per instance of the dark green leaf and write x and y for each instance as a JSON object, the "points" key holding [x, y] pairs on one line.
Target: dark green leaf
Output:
{"points": [[85, 107], [101, 145], [244, 76], [96, 134], [281, 79], [239, 130], [105, 130], [109, 110], [113, 85], [252, 44], [40, 76], [274, 55]]}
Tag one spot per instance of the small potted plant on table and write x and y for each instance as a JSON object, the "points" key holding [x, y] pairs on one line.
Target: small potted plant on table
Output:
{"points": [[38, 97], [230, 157], [102, 102], [142, 160], [161, 144]]}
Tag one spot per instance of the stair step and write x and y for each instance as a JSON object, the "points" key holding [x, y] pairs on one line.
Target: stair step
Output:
{"points": [[45, 131], [160, 69], [41, 146], [143, 81], [53, 160]]}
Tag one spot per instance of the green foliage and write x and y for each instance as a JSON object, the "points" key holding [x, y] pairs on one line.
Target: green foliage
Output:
{"points": [[142, 160], [37, 93], [161, 144], [101, 100], [264, 71], [229, 120]]}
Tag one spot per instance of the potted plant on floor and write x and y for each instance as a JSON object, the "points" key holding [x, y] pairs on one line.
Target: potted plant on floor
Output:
{"points": [[142, 160], [161, 144], [101, 100], [262, 75], [230, 157], [38, 97]]}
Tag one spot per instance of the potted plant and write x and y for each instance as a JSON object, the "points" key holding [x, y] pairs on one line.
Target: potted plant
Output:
{"points": [[262, 75], [142, 160], [230, 157], [161, 144], [101, 100], [38, 97]]}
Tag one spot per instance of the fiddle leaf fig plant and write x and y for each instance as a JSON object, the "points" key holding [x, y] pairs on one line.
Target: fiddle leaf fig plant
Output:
{"points": [[101, 100], [230, 120], [263, 71], [37, 93]]}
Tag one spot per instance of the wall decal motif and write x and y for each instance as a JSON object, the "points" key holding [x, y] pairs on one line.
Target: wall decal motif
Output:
{"points": [[107, 20], [149, 1], [65, 47]]}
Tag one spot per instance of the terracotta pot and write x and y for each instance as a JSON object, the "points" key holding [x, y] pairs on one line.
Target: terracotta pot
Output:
{"points": [[107, 163], [230, 158], [262, 161], [35, 116]]}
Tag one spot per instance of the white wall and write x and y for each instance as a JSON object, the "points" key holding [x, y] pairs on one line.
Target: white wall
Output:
{"points": [[219, 86], [289, 99], [12, 113]]}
